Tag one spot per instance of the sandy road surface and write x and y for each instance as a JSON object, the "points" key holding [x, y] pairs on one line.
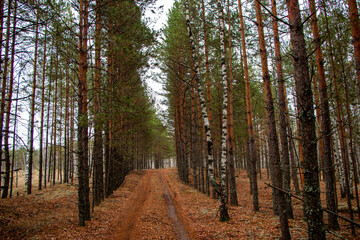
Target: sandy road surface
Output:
{"points": [[151, 212]]}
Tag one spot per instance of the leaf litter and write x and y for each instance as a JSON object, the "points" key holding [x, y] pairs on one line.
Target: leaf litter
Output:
{"points": [[52, 213]]}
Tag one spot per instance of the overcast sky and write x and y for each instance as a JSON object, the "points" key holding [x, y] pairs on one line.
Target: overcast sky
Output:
{"points": [[159, 20]]}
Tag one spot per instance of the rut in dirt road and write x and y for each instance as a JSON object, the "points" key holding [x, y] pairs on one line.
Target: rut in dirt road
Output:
{"points": [[150, 212], [180, 230]]}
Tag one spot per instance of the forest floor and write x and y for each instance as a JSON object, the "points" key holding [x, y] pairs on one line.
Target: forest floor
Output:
{"points": [[151, 204]]}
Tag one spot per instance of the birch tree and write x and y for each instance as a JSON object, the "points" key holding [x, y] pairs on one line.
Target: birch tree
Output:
{"points": [[224, 216]]}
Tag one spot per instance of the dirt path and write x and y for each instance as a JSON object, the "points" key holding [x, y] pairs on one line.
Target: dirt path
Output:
{"points": [[150, 212], [180, 230], [150, 204]]}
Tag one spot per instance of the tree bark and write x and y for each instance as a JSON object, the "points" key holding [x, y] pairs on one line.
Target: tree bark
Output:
{"points": [[222, 201], [55, 119], [83, 190], [32, 114], [8, 110], [248, 110], [279, 206], [355, 32], [351, 144], [42, 115], [204, 112], [208, 83], [230, 122], [47, 126], [98, 141], [312, 203], [329, 174], [282, 112], [4, 81]]}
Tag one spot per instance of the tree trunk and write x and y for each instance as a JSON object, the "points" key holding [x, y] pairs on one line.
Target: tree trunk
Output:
{"points": [[207, 85], [8, 110], [230, 123], [72, 136], [223, 211], [345, 185], [55, 119], [98, 141], [222, 201], [312, 203], [193, 140], [66, 130], [4, 81], [329, 174], [42, 115], [355, 32], [279, 205], [2, 3], [83, 190], [32, 114], [14, 138], [248, 110], [47, 127], [351, 144], [282, 113]]}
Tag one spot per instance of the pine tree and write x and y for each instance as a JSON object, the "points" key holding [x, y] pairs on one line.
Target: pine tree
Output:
{"points": [[312, 204]]}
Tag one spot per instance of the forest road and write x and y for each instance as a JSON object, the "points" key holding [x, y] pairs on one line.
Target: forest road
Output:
{"points": [[151, 212]]}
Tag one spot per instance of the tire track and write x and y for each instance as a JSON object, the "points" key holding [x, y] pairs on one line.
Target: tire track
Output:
{"points": [[136, 208], [179, 227]]}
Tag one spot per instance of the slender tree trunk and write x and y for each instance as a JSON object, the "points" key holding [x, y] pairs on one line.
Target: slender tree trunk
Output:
{"points": [[4, 81], [204, 111], [248, 110], [47, 126], [183, 134], [294, 166], [2, 3], [282, 112], [312, 203], [222, 201], [98, 141], [55, 119], [14, 141], [230, 123], [42, 116], [343, 147], [351, 144], [339, 120], [66, 130], [8, 109], [32, 114], [193, 140], [83, 190], [208, 81], [355, 32], [72, 136], [329, 174], [279, 205], [108, 152], [60, 170], [208, 84]]}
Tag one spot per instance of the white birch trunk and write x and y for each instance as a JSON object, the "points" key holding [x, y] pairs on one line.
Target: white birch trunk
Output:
{"points": [[224, 105], [224, 216], [200, 90], [339, 166]]}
